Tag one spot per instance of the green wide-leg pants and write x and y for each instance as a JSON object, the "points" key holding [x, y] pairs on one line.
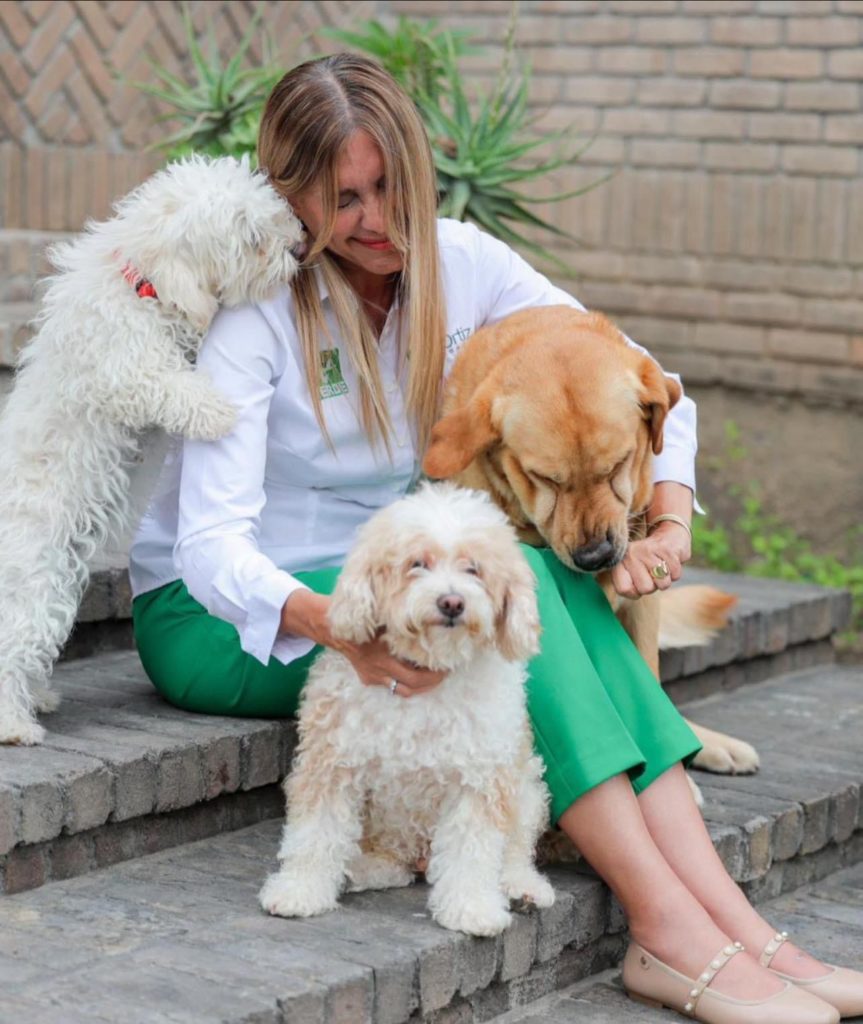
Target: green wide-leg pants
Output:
{"points": [[596, 708]]}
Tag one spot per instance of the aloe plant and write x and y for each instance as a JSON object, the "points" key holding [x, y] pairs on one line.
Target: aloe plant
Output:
{"points": [[479, 152], [221, 111], [416, 53]]}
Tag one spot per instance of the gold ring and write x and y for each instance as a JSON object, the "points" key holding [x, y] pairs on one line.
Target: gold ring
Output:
{"points": [[659, 571]]}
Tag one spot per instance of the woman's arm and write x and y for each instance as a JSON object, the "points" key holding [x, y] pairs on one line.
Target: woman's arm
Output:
{"points": [[222, 493]]}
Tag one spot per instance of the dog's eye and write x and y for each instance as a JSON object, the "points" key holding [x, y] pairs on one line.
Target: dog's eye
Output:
{"points": [[546, 481], [419, 563], [472, 569]]}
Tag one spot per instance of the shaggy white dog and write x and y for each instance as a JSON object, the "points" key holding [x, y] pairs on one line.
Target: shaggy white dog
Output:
{"points": [[120, 327], [449, 776]]}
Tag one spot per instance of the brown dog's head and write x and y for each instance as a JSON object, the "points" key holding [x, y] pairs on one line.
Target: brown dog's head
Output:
{"points": [[557, 417]]}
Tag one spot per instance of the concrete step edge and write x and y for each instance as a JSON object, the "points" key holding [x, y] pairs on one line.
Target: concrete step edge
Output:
{"points": [[184, 927], [122, 774]]}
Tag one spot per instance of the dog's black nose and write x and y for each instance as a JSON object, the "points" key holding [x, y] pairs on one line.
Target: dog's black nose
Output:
{"points": [[597, 555], [451, 605]]}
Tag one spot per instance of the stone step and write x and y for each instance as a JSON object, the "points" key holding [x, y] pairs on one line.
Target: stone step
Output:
{"points": [[826, 919], [179, 936], [23, 261], [123, 774], [15, 330]]}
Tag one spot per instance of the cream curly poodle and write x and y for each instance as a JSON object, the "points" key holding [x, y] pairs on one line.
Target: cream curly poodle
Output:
{"points": [[380, 782]]}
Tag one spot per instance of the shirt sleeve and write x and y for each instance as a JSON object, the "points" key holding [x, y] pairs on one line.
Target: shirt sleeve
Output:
{"points": [[222, 493], [511, 284]]}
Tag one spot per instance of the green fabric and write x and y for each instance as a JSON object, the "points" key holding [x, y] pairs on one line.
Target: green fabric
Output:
{"points": [[595, 706]]}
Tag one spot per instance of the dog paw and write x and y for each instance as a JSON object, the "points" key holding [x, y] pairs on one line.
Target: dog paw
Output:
{"points": [[211, 420], [695, 791], [528, 886], [476, 915], [728, 757], [298, 894], [21, 733]]}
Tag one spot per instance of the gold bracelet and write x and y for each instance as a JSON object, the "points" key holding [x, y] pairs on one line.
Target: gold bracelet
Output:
{"points": [[670, 517]]}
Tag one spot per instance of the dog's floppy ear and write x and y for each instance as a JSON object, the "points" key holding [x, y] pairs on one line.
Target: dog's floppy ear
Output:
{"points": [[658, 394], [518, 620], [178, 285], [353, 611], [458, 438]]}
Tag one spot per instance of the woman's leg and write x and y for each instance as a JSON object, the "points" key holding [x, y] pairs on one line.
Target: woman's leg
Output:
{"points": [[600, 716], [607, 826], [678, 831], [196, 663]]}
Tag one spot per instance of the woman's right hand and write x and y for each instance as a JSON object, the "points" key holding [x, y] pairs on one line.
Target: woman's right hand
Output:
{"points": [[305, 614]]}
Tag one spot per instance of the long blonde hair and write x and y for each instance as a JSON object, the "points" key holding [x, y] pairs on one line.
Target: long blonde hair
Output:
{"points": [[309, 117]]}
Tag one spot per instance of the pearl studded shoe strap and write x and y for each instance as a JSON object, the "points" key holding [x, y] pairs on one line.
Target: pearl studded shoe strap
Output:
{"points": [[772, 948], [708, 974]]}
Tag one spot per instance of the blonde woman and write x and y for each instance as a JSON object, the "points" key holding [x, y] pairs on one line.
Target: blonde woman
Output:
{"points": [[337, 380]]}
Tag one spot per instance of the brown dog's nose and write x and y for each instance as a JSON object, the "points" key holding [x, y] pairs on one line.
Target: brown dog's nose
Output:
{"points": [[451, 605], [594, 556]]}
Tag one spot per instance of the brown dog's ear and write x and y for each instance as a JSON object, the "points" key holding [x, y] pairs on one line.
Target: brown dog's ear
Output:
{"points": [[658, 395], [458, 438]]}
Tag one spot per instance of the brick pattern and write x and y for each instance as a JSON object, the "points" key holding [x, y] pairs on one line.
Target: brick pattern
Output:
{"points": [[730, 239], [73, 129]]}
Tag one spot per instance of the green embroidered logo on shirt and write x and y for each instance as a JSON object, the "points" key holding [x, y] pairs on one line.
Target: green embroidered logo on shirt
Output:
{"points": [[332, 381]]}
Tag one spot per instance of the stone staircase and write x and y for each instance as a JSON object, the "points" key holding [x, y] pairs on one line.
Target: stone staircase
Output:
{"points": [[133, 843]]}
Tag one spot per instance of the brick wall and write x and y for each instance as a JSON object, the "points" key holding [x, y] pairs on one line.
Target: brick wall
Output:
{"points": [[73, 129], [730, 239]]}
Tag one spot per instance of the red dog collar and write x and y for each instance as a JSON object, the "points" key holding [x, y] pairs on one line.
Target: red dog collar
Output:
{"points": [[143, 288]]}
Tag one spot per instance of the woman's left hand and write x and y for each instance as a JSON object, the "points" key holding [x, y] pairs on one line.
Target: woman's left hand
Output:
{"points": [[668, 543]]}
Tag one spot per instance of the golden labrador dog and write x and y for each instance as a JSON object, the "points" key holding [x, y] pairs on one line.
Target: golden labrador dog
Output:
{"points": [[558, 418]]}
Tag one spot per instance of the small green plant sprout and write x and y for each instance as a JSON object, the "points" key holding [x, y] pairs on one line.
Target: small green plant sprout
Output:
{"points": [[759, 543]]}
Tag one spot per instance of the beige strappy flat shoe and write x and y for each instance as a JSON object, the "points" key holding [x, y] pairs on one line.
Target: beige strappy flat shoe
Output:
{"points": [[650, 981], [840, 987]]}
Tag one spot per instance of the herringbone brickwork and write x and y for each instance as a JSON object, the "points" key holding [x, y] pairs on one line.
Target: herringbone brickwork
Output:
{"points": [[73, 129]]}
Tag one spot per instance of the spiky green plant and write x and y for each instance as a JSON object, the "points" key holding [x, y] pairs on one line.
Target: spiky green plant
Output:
{"points": [[416, 53], [220, 112]]}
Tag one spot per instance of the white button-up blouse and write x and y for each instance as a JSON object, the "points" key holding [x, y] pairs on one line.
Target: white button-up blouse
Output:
{"points": [[235, 518]]}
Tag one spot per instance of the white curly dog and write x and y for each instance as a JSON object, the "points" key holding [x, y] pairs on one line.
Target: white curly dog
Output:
{"points": [[381, 782], [121, 323]]}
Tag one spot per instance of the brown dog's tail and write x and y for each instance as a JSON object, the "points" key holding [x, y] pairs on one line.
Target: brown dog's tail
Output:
{"points": [[692, 615]]}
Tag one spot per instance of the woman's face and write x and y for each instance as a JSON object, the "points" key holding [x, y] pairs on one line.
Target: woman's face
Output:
{"points": [[359, 236]]}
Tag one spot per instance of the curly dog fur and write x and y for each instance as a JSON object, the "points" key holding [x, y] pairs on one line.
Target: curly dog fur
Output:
{"points": [[381, 782], [104, 365]]}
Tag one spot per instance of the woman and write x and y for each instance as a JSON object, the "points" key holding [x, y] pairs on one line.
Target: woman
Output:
{"points": [[337, 382]]}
